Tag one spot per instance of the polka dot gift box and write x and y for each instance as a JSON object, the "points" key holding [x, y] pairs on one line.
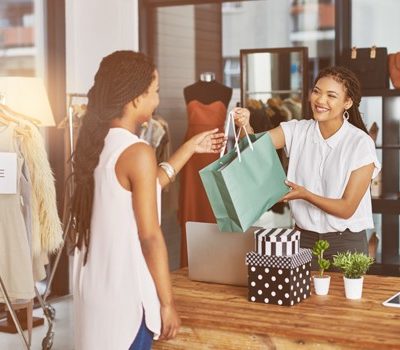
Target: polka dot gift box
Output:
{"points": [[277, 241], [281, 280]]}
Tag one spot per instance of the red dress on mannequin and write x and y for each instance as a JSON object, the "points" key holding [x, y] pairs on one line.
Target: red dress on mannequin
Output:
{"points": [[193, 202]]}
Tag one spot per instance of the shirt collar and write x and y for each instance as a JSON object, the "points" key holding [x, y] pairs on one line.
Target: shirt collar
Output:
{"points": [[334, 139]]}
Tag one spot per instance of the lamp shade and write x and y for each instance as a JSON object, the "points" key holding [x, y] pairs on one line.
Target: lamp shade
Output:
{"points": [[27, 96]]}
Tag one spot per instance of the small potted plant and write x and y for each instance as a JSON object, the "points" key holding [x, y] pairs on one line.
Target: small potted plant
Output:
{"points": [[321, 281], [354, 266]]}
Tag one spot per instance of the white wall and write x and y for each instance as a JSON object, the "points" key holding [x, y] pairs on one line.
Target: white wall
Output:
{"points": [[94, 29], [245, 28], [376, 23]]}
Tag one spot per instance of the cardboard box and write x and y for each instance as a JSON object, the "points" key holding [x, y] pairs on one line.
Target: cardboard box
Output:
{"points": [[281, 280]]}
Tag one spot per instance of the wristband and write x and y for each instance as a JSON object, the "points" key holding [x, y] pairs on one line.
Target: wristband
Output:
{"points": [[169, 170]]}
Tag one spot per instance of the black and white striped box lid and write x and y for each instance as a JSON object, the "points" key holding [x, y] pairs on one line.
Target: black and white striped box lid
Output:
{"points": [[277, 234], [304, 256]]}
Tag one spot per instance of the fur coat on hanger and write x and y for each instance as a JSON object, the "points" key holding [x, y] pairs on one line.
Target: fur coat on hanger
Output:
{"points": [[46, 225]]}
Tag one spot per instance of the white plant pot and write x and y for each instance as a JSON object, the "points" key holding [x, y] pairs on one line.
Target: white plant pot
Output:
{"points": [[353, 287], [321, 284]]}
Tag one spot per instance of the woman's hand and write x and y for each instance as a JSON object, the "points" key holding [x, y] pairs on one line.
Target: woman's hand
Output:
{"points": [[170, 322], [242, 120], [241, 117], [296, 192], [208, 141]]}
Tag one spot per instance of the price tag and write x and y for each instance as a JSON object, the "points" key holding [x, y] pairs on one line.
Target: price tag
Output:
{"points": [[8, 173]]}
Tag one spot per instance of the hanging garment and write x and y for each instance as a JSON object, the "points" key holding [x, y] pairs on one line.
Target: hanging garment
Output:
{"points": [[152, 133], [156, 133], [77, 118], [38, 261], [15, 251], [194, 205], [46, 226], [294, 107], [115, 286], [163, 150]]}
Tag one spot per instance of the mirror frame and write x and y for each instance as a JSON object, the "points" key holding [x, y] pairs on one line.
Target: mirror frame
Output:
{"points": [[286, 50]]}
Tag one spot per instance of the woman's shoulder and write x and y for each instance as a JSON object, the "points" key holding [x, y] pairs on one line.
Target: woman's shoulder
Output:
{"points": [[357, 135], [299, 125], [297, 128], [359, 141], [303, 123], [143, 156], [120, 141]]}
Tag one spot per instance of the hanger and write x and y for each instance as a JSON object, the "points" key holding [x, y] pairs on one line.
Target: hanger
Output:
{"points": [[19, 115], [4, 122], [207, 76], [5, 119]]}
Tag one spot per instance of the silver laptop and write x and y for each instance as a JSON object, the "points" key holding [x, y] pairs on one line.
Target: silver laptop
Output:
{"points": [[218, 257]]}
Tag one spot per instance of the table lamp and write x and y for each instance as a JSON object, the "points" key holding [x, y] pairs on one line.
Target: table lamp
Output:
{"points": [[27, 96]]}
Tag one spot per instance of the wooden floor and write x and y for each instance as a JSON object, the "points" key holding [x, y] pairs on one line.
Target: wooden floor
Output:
{"points": [[220, 317]]}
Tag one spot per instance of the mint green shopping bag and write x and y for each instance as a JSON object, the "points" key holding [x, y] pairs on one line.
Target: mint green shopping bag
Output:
{"points": [[246, 182]]}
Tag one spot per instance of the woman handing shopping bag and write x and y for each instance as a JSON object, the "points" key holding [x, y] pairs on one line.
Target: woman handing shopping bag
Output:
{"points": [[332, 160]]}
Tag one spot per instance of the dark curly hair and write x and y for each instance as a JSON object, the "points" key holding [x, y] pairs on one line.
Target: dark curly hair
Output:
{"points": [[121, 77], [353, 90]]}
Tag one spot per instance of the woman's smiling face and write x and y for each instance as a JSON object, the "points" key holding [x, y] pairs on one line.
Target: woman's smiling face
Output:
{"points": [[329, 100]]}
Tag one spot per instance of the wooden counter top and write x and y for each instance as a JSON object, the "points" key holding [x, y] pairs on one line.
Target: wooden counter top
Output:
{"points": [[218, 316]]}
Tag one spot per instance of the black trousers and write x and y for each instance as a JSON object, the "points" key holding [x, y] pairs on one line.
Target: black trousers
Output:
{"points": [[339, 242]]}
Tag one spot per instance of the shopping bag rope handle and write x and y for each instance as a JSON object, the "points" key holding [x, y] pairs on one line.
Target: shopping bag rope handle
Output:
{"points": [[236, 135]]}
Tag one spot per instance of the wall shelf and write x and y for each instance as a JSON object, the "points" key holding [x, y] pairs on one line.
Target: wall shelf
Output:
{"points": [[390, 204], [386, 269], [393, 146], [380, 92], [312, 35]]}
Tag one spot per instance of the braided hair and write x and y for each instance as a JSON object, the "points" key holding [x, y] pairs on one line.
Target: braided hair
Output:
{"points": [[353, 90], [121, 77]]}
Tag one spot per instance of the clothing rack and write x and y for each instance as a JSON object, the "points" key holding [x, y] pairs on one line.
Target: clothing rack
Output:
{"points": [[13, 314], [67, 221], [48, 310], [297, 91]]}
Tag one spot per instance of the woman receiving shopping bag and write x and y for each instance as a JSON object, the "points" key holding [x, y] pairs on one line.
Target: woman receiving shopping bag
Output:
{"points": [[332, 160], [122, 289]]}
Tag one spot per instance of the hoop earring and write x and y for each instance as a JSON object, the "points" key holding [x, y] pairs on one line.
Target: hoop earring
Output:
{"points": [[346, 115]]}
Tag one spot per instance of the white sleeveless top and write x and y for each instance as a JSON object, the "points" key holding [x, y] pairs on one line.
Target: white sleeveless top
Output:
{"points": [[115, 286]]}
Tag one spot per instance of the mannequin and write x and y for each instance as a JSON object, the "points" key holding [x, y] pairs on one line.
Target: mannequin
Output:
{"points": [[208, 90], [207, 101]]}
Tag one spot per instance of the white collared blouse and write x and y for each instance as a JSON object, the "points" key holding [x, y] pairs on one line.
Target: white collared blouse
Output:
{"points": [[323, 166]]}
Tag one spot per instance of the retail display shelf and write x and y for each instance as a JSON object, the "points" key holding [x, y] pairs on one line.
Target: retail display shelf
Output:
{"points": [[380, 92], [313, 35], [392, 269], [387, 204], [18, 51], [393, 146]]}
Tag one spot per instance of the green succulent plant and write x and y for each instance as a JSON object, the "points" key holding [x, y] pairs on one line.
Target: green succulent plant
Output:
{"points": [[353, 264], [319, 248]]}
